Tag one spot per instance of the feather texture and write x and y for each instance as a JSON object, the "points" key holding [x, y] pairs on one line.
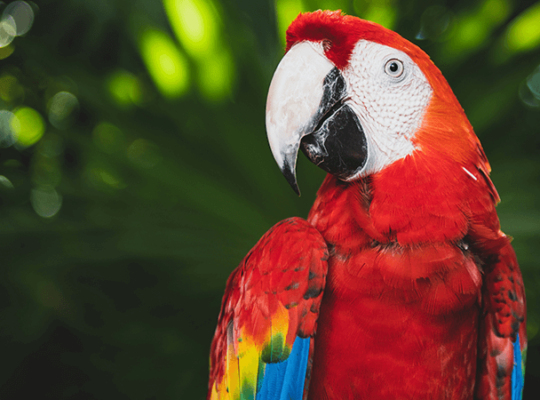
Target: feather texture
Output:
{"points": [[269, 312]]}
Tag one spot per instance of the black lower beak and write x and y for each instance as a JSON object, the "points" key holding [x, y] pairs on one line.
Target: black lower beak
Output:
{"points": [[338, 143]]}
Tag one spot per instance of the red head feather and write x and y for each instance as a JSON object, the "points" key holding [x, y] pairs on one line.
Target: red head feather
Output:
{"points": [[340, 33]]}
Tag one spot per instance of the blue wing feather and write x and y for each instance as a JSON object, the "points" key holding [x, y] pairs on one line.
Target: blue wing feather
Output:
{"points": [[517, 372], [285, 380]]}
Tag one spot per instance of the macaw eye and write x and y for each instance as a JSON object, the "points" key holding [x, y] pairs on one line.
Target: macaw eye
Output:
{"points": [[394, 68]]}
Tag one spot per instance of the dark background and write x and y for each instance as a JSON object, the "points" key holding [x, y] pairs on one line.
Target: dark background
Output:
{"points": [[135, 173]]}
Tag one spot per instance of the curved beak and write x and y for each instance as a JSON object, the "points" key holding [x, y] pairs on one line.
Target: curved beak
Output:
{"points": [[293, 103]]}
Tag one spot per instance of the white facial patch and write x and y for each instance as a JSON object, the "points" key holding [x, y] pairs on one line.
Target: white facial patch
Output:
{"points": [[390, 106]]}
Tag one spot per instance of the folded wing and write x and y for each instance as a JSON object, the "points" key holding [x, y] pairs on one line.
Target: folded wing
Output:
{"points": [[503, 336], [268, 316], [502, 342]]}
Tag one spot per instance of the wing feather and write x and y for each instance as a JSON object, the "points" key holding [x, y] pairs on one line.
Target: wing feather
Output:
{"points": [[502, 342], [261, 347]]}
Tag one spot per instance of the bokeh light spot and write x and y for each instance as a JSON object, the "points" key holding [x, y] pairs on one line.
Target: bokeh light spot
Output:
{"points": [[194, 23], [46, 201], [12, 163], [524, 31], [28, 126], [529, 91], [5, 182], [63, 109], [495, 11], [46, 170], [533, 82], [110, 179], [215, 76], [8, 30], [10, 89], [6, 51], [143, 153], [22, 14], [286, 12], [108, 137], [7, 137], [124, 88], [51, 145], [103, 178], [473, 29], [166, 65], [470, 33], [434, 22], [526, 96], [384, 14]]}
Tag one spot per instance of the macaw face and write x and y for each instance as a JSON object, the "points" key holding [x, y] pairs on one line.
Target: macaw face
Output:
{"points": [[351, 121]]}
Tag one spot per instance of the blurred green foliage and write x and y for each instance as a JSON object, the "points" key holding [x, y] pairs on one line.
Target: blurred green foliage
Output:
{"points": [[135, 172]]}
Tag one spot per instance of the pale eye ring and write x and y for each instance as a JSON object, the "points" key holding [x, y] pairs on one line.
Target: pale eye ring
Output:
{"points": [[394, 68]]}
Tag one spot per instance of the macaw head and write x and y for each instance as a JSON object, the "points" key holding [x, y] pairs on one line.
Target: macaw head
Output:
{"points": [[356, 97]]}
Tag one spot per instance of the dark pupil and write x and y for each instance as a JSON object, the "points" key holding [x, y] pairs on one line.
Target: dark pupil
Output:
{"points": [[393, 67]]}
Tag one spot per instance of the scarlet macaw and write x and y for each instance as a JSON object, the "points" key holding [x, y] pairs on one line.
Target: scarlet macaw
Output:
{"points": [[400, 284]]}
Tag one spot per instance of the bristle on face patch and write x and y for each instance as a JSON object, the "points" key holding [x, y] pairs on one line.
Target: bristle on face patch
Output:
{"points": [[340, 33]]}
